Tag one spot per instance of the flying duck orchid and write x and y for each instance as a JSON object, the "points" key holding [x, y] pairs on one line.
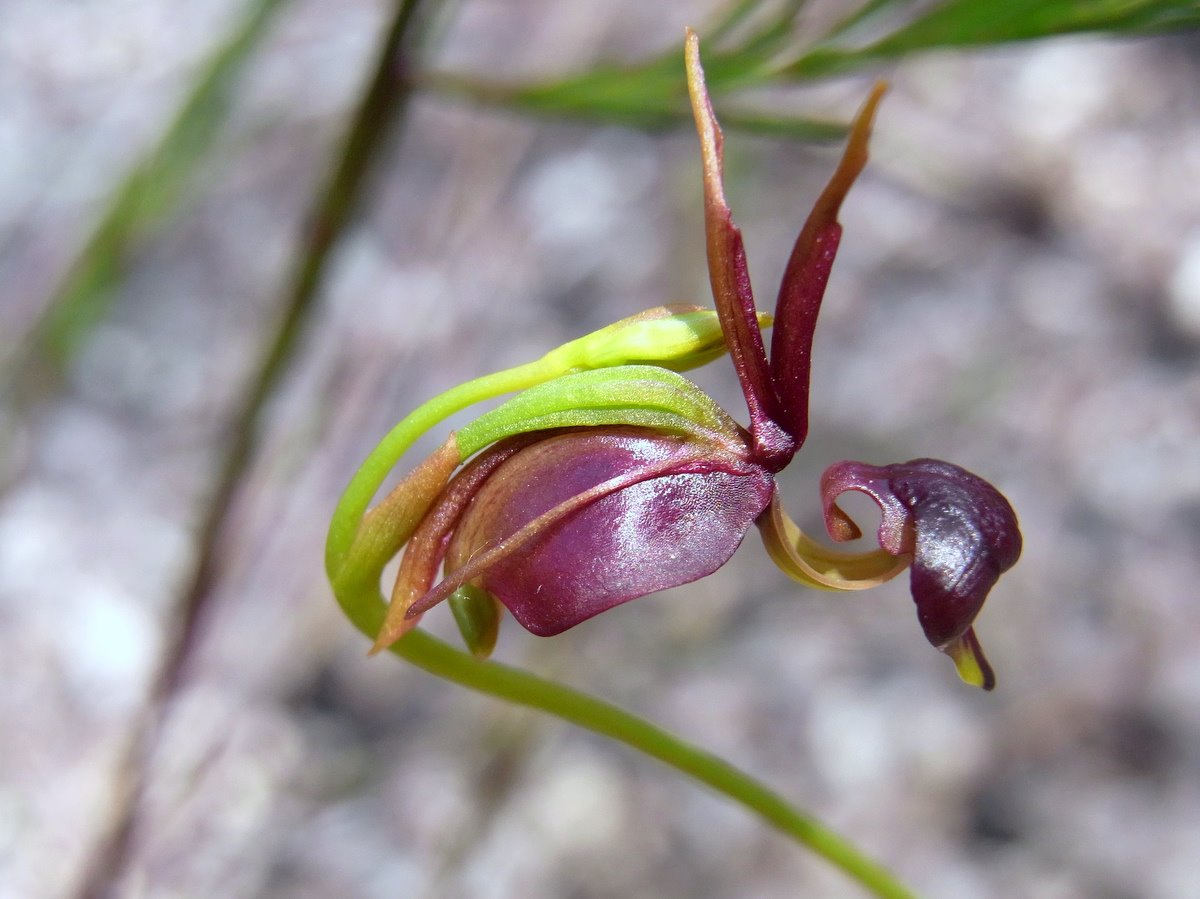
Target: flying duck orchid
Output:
{"points": [[609, 476]]}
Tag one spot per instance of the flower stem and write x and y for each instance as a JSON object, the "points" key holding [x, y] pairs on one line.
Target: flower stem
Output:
{"points": [[525, 688], [352, 507]]}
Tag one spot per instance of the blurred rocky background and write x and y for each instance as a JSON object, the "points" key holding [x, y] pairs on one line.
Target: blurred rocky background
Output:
{"points": [[1018, 291]]}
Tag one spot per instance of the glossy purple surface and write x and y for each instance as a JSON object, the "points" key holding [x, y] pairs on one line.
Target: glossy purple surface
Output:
{"points": [[796, 312], [962, 532], [681, 523]]}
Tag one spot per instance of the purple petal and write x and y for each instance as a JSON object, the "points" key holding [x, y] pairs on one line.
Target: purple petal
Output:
{"points": [[730, 280], [427, 545], [961, 531], [807, 273], [680, 518]]}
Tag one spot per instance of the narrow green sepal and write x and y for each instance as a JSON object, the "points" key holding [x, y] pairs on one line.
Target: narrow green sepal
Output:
{"points": [[677, 337], [477, 614], [638, 395]]}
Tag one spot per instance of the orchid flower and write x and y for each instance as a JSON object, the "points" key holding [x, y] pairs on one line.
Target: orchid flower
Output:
{"points": [[609, 476]]}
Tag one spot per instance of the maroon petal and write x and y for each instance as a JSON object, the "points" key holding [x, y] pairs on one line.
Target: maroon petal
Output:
{"points": [[427, 546], [730, 280], [675, 518], [961, 532], [807, 273]]}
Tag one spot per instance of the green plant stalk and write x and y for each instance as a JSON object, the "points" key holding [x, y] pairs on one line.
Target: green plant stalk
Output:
{"points": [[524, 688], [352, 507]]}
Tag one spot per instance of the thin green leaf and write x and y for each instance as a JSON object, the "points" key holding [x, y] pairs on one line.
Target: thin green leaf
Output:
{"points": [[867, 11], [973, 22], [796, 128], [653, 94], [966, 23], [623, 100], [775, 30], [729, 21]]}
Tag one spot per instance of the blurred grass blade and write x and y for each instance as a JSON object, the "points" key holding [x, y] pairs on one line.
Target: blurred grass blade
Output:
{"points": [[734, 16], [973, 23], [652, 94], [620, 100], [862, 14], [747, 41], [794, 127], [150, 192], [777, 29]]}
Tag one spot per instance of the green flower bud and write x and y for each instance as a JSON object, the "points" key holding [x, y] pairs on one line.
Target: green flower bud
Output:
{"points": [[678, 337]]}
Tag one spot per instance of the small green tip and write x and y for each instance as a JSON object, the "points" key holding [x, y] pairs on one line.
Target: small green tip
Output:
{"points": [[477, 614], [970, 661]]}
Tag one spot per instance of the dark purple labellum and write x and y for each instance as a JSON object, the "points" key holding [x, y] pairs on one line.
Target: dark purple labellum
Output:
{"points": [[679, 513], [961, 532]]}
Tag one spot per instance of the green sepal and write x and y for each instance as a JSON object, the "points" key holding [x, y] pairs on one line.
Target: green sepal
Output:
{"points": [[638, 395], [477, 614], [676, 337]]}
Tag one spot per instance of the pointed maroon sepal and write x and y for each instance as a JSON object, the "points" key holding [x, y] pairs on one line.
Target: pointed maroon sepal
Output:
{"points": [[807, 273]]}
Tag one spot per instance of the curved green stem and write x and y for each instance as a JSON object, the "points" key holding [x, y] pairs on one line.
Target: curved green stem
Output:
{"points": [[527, 689], [352, 507], [524, 688], [669, 337]]}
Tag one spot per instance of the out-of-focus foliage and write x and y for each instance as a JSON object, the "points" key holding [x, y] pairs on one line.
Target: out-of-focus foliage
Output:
{"points": [[754, 43], [966, 23], [760, 43], [1042, 236], [153, 189]]}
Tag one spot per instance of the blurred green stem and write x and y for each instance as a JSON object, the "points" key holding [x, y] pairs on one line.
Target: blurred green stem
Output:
{"points": [[379, 112], [653, 102]]}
